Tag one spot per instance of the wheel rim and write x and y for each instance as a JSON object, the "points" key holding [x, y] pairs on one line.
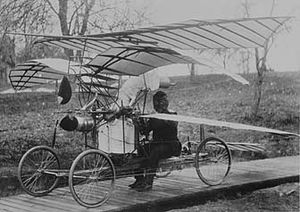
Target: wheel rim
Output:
{"points": [[93, 177], [34, 171], [213, 161]]}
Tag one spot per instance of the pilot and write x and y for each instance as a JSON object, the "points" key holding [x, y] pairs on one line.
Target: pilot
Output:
{"points": [[164, 143]]}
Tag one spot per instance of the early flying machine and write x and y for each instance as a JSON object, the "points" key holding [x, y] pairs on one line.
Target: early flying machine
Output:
{"points": [[110, 106]]}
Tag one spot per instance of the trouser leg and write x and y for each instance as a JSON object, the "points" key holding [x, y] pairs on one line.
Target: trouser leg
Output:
{"points": [[139, 173], [150, 176], [143, 152], [158, 151]]}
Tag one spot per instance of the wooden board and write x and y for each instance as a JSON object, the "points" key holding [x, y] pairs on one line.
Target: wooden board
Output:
{"points": [[178, 186]]}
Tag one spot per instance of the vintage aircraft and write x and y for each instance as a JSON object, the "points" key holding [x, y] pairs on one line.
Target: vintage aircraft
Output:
{"points": [[136, 52], [112, 102]]}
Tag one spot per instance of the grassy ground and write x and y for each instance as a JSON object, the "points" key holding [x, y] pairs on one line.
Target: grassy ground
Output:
{"points": [[283, 198], [223, 99], [218, 97], [28, 120]]}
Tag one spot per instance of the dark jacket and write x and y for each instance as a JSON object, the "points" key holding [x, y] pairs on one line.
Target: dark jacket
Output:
{"points": [[163, 130]]}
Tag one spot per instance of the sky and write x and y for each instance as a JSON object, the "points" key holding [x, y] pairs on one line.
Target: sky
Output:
{"points": [[284, 54]]}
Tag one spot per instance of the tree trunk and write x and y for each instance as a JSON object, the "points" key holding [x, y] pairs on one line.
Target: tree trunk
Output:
{"points": [[3, 75], [88, 8], [192, 76], [62, 15], [257, 93], [261, 69]]}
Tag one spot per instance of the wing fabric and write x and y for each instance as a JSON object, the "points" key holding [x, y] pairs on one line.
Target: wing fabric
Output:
{"points": [[136, 60], [213, 66], [211, 122], [188, 35], [37, 72]]}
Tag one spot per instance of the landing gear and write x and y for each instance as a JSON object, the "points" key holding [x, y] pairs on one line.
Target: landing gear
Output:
{"points": [[212, 161], [37, 171]]}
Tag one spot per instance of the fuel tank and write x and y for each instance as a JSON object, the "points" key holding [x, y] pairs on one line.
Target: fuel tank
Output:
{"points": [[78, 123]]}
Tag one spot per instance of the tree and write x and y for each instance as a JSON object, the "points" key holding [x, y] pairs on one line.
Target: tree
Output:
{"points": [[260, 61], [261, 68], [75, 17], [246, 54], [7, 57], [85, 16], [25, 16]]}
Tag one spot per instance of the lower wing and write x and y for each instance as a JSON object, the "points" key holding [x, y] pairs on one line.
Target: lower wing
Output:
{"points": [[211, 122]]}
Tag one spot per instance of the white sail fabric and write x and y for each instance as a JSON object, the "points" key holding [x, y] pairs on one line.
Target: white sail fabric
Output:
{"points": [[211, 122], [129, 90], [188, 35], [41, 71], [138, 60]]}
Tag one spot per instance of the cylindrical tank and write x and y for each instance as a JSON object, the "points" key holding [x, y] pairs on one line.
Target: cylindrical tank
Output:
{"points": [[82, 124]]}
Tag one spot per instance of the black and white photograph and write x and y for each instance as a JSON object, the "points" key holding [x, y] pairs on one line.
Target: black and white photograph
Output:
{"points": [[149, 105]]}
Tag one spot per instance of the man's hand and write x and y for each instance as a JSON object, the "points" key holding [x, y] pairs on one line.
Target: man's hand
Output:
{"points": [[142, 125]]}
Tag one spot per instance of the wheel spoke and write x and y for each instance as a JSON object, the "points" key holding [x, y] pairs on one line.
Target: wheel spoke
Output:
{"points": [[89, 182], [31, 184], [31, 167], [214, 167], [28, 180]]}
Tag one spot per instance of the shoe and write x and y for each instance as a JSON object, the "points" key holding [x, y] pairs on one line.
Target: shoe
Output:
{"points": [[143, 187], [136, 184]]}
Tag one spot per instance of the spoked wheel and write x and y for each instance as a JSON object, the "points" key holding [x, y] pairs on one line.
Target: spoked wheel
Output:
{"points": [[92, 178], [212, 161], [37, 171]]}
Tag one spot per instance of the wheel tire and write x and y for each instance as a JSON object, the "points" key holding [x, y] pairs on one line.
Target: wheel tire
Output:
{"points": [[213, 161], [92, 178], [32, 167]]}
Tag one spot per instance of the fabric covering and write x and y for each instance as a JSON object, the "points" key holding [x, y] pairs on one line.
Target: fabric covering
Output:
{"points": [[211, 122], [136, 60], [35, 73], [41, 71], [192, 34], [129, 90]]}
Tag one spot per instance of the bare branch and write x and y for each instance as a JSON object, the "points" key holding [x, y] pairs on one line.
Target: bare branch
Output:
{"points": [[88, 8], [74, 13], [272, 7], [51, 6]]}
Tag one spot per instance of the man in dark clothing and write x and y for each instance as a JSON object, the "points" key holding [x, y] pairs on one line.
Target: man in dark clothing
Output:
{"points": [[165, 143]]}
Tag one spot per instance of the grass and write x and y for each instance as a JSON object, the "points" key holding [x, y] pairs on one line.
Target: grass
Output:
{"points": [[28, 119], [220, 98], [283, 198]]}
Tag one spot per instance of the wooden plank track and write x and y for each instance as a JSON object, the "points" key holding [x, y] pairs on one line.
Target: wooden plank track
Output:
{"points": [[178, 187]]}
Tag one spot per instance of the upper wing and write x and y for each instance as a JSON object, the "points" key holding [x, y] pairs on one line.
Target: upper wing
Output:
{"points": [[137, 60], [193, 34], [211, 122], [125, 60]]}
